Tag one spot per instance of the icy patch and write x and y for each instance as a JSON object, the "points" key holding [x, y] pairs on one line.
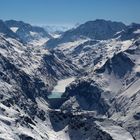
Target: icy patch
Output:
{"points": [[14, 29]]}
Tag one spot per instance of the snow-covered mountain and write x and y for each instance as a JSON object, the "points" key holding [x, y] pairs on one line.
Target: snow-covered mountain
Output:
{"points": [[88, 53], [30, 34], [27, 74], [6, 31], [98, 30], [110, 85], [132, 31], [102, 103], [112, 91]]}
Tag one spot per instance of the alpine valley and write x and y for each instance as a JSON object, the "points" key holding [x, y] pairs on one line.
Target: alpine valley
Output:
{"points": [[81, 83]]}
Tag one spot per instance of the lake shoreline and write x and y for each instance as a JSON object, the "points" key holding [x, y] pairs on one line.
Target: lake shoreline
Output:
{"points": [[59, 89]]}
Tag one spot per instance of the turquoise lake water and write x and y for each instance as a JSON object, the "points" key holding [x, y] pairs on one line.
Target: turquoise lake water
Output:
{"points": [[55, 95]]}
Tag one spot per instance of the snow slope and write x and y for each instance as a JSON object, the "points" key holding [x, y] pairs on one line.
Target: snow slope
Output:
{"points": [[112, 90], [102, 103]]}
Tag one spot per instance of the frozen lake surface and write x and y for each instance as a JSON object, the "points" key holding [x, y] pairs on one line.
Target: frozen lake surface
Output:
{"points": [[60, 87]]}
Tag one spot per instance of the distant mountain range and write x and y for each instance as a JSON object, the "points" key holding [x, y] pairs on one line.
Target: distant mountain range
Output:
{"points": [[56, 28], [24, 32]]}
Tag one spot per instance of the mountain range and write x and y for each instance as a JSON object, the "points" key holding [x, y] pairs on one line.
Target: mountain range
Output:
{"points": [[102, 103]]}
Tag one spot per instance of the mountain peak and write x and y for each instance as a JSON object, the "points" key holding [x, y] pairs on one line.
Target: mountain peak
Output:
{"points": [[6, 31], [98, 29]]}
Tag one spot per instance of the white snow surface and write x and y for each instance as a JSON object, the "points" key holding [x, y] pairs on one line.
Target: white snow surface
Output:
{"points": [[62, 84], [33, 33], [71, 45], [60, 87], [43, 129], [39, 42], [117, 132], [103, 49], [14, 29], [137, 31]]}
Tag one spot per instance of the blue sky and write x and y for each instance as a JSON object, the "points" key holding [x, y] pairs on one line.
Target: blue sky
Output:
{"points": [[70, 12]]}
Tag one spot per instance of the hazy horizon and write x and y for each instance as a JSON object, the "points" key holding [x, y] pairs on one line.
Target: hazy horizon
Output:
{"points": [[69, 13]]}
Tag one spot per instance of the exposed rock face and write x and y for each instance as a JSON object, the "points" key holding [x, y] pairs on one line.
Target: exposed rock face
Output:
{"points": [[83, 125], [6, 31], [124, 106], [88, 95], [119, 65], [30, 86], [102, 104], [26, 77], [131, 32]]}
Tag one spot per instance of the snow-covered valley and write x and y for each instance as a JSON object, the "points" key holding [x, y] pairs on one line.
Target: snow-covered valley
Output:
{"points": [[79, 85]]}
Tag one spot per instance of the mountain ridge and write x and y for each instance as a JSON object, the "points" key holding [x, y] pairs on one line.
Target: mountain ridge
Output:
{"points": [[101, 104]]}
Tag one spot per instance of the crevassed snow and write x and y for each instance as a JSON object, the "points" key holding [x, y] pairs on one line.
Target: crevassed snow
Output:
{"points": [[14, 29]]}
